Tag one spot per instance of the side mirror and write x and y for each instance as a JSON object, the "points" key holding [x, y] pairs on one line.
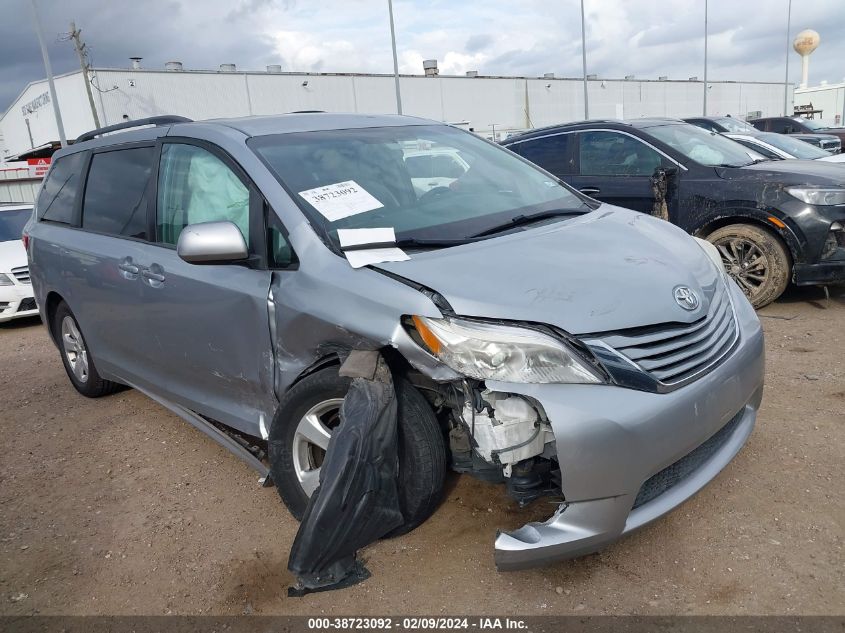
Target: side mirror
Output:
{"points": [[211, 243]]}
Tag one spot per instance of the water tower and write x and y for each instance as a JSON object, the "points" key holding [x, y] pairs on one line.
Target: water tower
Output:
{"points": [[805, 43]]}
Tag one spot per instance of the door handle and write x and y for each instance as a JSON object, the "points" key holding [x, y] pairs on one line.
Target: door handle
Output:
{"points": [[590, 191], [154, 275], [129, 269]]}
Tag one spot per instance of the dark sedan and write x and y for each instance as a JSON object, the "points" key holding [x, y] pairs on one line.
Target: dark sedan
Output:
{"points": [[772, 221]]}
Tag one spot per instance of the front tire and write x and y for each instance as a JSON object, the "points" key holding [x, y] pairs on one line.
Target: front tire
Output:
{"points": [[756, 259], [76, 358], [300, 433]]}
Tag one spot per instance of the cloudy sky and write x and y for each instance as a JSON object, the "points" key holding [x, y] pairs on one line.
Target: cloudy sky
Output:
{"points": [[645, 38]]}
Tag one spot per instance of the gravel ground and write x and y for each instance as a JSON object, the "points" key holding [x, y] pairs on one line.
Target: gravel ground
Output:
{"points": [[115, 506]]}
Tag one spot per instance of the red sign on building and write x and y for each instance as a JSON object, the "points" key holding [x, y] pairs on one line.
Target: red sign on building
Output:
{"points": [[38, 166]]}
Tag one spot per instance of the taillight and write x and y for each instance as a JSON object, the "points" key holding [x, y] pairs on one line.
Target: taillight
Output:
{"points": [[25, 239]]}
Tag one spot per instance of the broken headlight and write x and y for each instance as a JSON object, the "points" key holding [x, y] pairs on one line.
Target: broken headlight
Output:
{"points": [[487, 351], [818, 195]]}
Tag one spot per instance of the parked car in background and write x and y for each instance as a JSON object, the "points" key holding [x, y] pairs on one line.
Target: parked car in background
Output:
{"points": [[530, 328], [729, 124], [713, 187], [818, 132], [783, 146], [16, 298]]}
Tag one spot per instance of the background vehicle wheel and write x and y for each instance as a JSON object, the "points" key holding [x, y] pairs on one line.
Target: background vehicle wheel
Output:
{"points": [[300, 434], [78, 362], [756, 259]]}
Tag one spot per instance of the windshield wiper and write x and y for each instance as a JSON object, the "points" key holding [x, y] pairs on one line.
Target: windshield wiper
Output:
{"points": [[521, 220], [408, 242]]}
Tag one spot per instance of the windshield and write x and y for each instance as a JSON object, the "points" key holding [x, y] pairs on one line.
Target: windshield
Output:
{"points": [[794, 146], [426, 182], [815, 124], [12, 223], [705, 148], [735, 125]]}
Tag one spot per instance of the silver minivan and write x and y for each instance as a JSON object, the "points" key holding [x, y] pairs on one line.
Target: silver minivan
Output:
{"points": [[539, 339]]}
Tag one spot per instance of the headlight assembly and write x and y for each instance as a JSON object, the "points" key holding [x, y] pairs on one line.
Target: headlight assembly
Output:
{"points": [[5, 280], [818, 195], [487, 351]]}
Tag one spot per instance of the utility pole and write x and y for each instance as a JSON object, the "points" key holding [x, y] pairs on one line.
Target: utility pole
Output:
{"points": [[49, 69], [584, 62], [82, 52], [705, 58], [788, 46], [395, 59]]}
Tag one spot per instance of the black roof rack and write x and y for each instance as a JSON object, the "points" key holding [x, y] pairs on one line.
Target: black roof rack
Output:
{"points": [[153, 120]]}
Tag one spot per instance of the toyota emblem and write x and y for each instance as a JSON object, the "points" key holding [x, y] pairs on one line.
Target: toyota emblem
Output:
{"points": [[686, 298]]}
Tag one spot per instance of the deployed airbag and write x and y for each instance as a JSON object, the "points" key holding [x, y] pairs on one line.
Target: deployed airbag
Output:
{"points": [[357, 501]]}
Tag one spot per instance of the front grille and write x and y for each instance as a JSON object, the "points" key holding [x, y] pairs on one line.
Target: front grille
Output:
{"points": [[672, 475], [22, 274], [831, 146], [673, 353], [27, 304]]}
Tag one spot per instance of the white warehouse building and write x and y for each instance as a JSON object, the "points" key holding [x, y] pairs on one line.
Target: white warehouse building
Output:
{"points": [[492, 106]]}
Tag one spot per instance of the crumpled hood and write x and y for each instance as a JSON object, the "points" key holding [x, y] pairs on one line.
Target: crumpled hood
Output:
{"points": [[607, 270], [12, 255]]}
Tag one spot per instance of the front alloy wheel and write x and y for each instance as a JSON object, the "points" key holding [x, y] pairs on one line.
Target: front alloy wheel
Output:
{"points": [[756, 259]]}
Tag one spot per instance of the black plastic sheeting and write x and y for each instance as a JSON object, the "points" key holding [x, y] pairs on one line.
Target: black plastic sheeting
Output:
{"points": [[357, 501]]}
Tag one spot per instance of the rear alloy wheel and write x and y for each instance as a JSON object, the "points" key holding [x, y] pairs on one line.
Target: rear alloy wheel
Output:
{"points": [[756, 259], [77, 359]]}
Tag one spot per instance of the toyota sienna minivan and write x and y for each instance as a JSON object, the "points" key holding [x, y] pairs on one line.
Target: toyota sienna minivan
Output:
{"points": [[558, 346]]}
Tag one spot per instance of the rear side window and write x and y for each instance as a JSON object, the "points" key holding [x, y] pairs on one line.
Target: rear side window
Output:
{"points": [[551, 153], [196, 186], [614, 154], [115, 199], [58, 194]]}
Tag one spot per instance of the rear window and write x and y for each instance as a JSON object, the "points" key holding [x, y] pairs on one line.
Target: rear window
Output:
{"points": [[58, 194], [115, 199]]}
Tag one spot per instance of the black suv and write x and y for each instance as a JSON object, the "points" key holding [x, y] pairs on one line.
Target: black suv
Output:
{"points": [[729, 124], [772, 221], [816, 132]]}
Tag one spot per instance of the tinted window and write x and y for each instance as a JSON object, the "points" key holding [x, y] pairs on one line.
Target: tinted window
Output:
{"points": [[115, 198], [58, 194], [12, 223], [782, 126], [614, 154], [196, 186], [551, 153]]}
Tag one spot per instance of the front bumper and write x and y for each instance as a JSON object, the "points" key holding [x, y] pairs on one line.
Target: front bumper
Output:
{"points": [[15, 301], [827, 272], [611, 441]]}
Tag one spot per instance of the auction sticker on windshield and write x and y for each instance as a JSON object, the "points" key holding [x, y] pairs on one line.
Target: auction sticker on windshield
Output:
{"points": [[341, 200]]}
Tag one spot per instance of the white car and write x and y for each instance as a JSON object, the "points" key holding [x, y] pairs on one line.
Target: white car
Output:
{"points": [[16, 298], [778, 146]]}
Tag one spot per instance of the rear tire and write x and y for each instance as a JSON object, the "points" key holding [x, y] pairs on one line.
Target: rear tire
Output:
{"points": [[756, 259], [422, 452], [77, 359]]}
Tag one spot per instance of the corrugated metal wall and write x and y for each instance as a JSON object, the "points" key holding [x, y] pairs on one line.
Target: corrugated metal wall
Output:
{"points": [[484, 102]]}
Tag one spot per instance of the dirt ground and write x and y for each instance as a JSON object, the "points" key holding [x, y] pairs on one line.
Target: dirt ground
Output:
{"points": [[115, 506]]}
